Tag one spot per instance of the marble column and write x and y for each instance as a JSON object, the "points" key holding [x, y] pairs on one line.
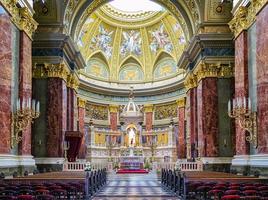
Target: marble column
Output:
{"points": [[56, 116], [81, 103], [262, 79], [148, 110], [207, 117], [181, 129], [191, 111], [241, 87], [71, 96], [113, 117], [25, 86], [5, 82]]}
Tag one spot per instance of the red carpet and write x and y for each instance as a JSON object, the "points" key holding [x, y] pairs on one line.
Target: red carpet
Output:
{"points": [[132, 171]]}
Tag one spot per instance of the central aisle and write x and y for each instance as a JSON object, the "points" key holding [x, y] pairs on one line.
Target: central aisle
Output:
{"points": [[133, 187]]}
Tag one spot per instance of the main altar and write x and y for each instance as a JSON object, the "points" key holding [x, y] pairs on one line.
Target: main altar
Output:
{"points": [[131, 146]]}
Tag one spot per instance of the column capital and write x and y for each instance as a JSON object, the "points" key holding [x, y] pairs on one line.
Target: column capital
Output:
{"points": [[113, 108], [21, 17], [148, 108], [81, 103], [181, 102], [245, 16], [190, 81]]}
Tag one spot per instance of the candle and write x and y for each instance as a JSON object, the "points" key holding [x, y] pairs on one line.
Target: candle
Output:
{"points": [[249, 104], [245, 104], [37, 107], [33, 105], [234, 103], [18, 104], [229, 106]]}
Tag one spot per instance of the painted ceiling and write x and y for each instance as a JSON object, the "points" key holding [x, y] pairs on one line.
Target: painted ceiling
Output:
{"points": [[131, 46]]}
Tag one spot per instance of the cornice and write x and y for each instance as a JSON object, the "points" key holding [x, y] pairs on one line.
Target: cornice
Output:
{"points": [[148, 108], [21, 17], [81, 103], [59, 70], [246, 16]]}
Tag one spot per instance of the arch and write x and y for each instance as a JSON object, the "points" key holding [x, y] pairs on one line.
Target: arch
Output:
{"points": [[161, 55], [130, 59], [131, 72], [177, 8], [164, 67], [98, 54]]}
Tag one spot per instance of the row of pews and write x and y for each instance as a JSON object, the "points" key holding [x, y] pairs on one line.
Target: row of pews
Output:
{"points": [[213, 185]]}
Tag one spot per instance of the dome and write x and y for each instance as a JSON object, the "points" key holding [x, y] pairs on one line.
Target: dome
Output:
{"points": [[131, 47]]}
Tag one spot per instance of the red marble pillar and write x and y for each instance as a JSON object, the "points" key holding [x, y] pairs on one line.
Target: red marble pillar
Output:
{"points": [[191, 121], [207, 117], [113, 117], [56, 116], [71, 108], [181, 128], [262, 79], [148, 109], [5, 82], [25, 86], [241, 86], [81, 126]]}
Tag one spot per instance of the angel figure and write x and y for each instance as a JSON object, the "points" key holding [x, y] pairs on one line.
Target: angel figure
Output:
{"points": [[131, 43]]}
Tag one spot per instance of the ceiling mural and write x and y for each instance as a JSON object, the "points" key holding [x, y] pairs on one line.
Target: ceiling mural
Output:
{"points": [[142, 36], [97, 68], [164, 68]]}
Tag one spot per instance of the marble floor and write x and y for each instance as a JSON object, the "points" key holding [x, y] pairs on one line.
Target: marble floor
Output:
{"points": [[133, 187]]}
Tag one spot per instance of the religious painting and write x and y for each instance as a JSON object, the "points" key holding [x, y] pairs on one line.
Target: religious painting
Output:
{"points": [[98, 112], [131, 72], [165, 68], [103, 41], [160, 40], [165, 111], [131, 43], [97, 68]]}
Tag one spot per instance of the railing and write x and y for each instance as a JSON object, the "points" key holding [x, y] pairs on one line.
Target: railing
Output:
{"points": [[183, 166], [74, 166]]}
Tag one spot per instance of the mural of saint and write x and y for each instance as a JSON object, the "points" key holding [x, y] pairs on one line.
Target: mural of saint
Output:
{"points": [[103, 41], [160, 39], [131, 43]]}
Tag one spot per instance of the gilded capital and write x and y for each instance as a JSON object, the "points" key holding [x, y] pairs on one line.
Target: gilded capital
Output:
{"points": [[72, 81], [81, 103], [246, 16], [181, 102], [148, 108], [21, 17], [190, 81], [113, 108]]}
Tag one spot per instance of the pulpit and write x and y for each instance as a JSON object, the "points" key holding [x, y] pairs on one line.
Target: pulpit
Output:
{"points": [[74, 139]]}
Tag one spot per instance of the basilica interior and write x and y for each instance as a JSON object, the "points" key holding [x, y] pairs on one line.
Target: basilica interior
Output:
{"points": [[134, 88]]}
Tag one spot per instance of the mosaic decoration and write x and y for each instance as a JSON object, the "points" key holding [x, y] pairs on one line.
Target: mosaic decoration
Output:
{"points": [[165, 68], [98, 112], [131, 43], [160, 40], [97, 69], [131, 72], [165, 111], [103, 41]]}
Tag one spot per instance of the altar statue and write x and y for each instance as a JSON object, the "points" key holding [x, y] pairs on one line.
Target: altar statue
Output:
{"points": [[131, 137]]}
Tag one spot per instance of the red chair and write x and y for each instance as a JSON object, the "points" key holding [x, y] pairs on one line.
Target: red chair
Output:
{"points": [[203, 191], [59, 193], [7, 197], [215, 194], [45, 197], [251, 197], [25, 197], [41, 192], [250, 193], [234, 187], [219, 187], [263, 188], [232, 192], [264, 193], [249, 188], [230, 197]]}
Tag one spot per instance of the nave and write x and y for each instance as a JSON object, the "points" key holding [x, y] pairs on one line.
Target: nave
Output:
{"points": [[134, 187]]}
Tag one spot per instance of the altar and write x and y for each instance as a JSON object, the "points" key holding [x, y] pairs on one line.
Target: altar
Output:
{"points": [[131, 163]]}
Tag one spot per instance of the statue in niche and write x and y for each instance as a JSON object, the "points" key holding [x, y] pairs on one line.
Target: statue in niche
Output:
{"points": [[131, 139]]}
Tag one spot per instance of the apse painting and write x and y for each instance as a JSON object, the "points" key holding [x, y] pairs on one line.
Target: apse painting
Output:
{"points": [[165, 68], [160, 40], [131, 72], [103, 41], [97, 69], [131, 43]]}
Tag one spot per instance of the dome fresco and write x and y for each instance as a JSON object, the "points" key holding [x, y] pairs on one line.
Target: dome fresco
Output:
{"points": [[140, 46]]}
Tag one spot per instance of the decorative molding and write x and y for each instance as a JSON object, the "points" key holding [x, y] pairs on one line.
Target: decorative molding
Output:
{"points": [[148, 108], [81, 102], [21, 17], [59, 70], [181, 102], [259, 160], [7, 160], [208, 70], [246, 16], [113, 108]]}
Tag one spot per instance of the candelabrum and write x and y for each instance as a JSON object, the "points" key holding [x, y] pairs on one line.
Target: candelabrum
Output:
{"points": [[26, 112], [240, 109], [66, 147]]}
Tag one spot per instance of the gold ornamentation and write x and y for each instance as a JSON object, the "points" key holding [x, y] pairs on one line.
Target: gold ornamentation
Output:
{"points": [[21, 17], [148, 108], [246, 16], [181, 102], [81, 102], [98, 112], [165, 111], [59, 70], [190, 81], [113, 108]]}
